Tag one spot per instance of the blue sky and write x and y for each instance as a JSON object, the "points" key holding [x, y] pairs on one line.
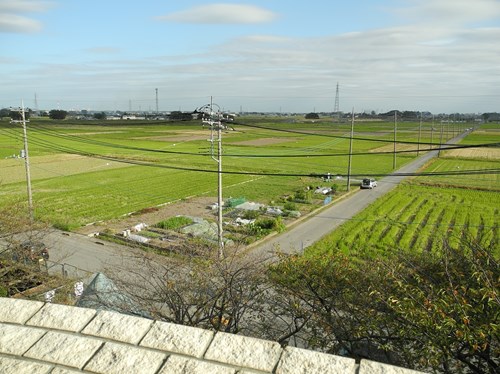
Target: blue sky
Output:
{"points": [[441, 56]]}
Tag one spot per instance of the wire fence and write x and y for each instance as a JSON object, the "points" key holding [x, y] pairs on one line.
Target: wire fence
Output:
{"points": [[66, 270]]}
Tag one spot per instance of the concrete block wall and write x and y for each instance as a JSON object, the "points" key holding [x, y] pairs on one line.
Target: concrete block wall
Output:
{"points": [[38, 337]]}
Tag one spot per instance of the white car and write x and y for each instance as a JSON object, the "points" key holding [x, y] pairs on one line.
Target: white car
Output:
{"points": [[368, 183]]}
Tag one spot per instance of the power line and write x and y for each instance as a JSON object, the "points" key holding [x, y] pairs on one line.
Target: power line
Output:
{"points": [[70, 150], [54, 133]]}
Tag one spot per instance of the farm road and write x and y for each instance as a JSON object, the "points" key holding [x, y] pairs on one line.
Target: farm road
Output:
{"points": [[314, 227]]}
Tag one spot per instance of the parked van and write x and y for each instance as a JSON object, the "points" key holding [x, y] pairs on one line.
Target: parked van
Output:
{"points": [[368, 183]]}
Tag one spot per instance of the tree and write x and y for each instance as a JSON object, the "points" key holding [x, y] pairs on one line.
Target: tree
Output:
{"points": [[419, 310], [449, 303], [5, 112], [16, 115], [334, 293], [58, 114], [312, 116], [100, 116], [20, 268], [232, 294], [197, 290], [180, 116]]}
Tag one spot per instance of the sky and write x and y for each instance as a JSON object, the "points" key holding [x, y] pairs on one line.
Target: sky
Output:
{"points": [[441, 56]]}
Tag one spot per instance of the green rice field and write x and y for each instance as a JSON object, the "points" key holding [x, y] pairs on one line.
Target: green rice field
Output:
{"points": [[416, 217], [85, 172]]}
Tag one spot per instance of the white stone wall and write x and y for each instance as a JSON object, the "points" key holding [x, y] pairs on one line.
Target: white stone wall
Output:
{"points": [[36, 337]]}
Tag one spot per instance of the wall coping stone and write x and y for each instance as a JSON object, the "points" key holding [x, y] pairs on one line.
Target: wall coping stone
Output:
{"points": [[37, 337]]}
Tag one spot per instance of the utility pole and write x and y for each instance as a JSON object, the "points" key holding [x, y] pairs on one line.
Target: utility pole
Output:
{"points": [[213, 119], [419, 134], [440, 139], [432, 132], [395, 131], [26, 160], [350, 153]]}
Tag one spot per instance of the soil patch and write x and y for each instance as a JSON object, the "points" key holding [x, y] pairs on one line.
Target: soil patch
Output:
{"points": [[485, 153], [96, 133], [196, 207], [264, 141], [399, 147], [184, 137]]}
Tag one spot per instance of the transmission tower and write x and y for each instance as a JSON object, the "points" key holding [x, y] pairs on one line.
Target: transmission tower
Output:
{"points": [[156, 89], [336, 109], [36, 104]]}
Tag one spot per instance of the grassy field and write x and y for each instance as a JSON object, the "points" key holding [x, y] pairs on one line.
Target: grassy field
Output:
{"points": [[84, 172]]}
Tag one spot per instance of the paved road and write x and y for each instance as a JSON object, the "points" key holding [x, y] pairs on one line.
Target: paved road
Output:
{"points": [[81, 254]]}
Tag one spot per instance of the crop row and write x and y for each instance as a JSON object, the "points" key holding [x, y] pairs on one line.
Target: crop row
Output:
{"points": [[416, 217]]}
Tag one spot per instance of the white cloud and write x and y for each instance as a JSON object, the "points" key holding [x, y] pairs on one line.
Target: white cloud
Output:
{"points": [[16, 6], [221, 14], [267, 39], [18, 24], [451, 12], [103, 50], [13, 22]]}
